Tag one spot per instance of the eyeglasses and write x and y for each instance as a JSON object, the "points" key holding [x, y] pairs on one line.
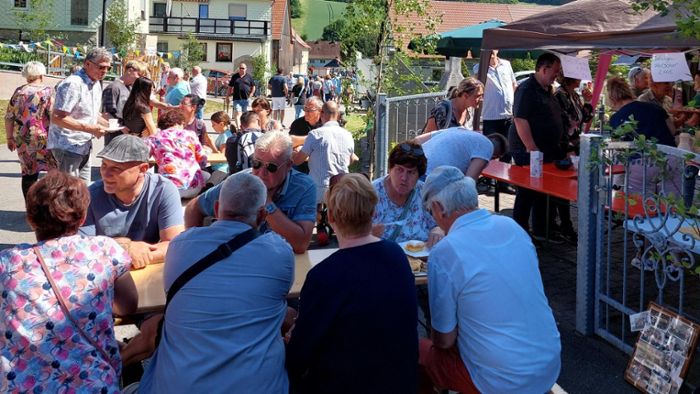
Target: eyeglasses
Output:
{"points": [[270, 167], [411, 150], [102, 68], [241, 68], [311, 109]]}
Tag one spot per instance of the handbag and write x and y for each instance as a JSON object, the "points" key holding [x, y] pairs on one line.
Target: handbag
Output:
{"points": [[295, 99], [221, 252], [66, 311]]}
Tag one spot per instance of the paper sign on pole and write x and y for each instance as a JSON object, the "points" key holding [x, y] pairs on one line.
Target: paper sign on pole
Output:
{"points": [[576, 67], [669, 67]]}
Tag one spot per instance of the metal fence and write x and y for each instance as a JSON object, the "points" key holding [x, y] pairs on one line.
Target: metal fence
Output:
{"points": [[637, 238], [399, 119]]}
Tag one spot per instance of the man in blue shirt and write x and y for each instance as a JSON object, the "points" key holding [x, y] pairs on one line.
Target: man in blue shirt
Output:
{"points": [[279, 92], [141, 210], [291, 195], [177, 87], [221, 331], [493, 329]]}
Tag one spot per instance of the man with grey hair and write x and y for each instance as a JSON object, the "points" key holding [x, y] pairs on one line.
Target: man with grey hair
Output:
{"points": [[198, 86], [76, 118], [640, 79], [291, 195], [493, 330], [178, 88], [231, 351]]}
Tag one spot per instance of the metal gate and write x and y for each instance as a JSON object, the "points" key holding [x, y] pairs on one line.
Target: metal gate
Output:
{"points": [[638, 237], [399, 119]]}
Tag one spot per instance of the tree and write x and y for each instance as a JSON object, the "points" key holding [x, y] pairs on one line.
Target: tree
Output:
{"points": [[37, 19], [295, 9], [333, 31], [191, 53], [121, 30], [686, 13], [259, 73]]}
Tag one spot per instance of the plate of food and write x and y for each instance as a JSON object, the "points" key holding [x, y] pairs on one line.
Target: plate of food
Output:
{"points": [[418, 266], [415, 248]]}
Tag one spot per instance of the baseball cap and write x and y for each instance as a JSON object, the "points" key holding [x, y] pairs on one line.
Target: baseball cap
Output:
{"points": [[126, 148]]}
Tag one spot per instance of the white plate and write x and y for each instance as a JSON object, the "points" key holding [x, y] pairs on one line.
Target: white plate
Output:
{"points": [[423, 253], [120, 128]]}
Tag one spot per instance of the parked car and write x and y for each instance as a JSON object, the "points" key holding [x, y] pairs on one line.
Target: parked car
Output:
{"points": [[217, 81], [520, 76]]}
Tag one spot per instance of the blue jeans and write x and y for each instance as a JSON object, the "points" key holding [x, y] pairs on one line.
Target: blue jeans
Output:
{"points": [[240, 105], [298, 111], [73, 163]]}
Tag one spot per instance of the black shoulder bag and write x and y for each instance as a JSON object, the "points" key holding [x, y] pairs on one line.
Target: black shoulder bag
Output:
{"points": [[221, 252]]}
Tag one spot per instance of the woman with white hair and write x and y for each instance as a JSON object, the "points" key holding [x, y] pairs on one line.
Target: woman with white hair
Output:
{"points": [[27, 124]]}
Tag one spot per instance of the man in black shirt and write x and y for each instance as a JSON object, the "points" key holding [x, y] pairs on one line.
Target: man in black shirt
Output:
{"points": [[241, 88], [537, 126], [301, 127]]}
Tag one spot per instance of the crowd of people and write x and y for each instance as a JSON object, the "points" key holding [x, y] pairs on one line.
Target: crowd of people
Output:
{"points": [[229, 254]]}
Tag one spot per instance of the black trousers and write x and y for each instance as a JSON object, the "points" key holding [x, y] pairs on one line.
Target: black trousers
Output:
{"points": [[528, 201]]}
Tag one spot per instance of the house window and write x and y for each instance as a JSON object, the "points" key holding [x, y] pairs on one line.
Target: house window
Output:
{"points": [[162, 47], [143, 10], [204, 11], [20, 3], [158, 10], [223, 52], [79, 12], [204, 49], [237, 11]]}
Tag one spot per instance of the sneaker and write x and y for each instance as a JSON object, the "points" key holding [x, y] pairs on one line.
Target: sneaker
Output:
{"points": [[505, 188], [554, 238]]}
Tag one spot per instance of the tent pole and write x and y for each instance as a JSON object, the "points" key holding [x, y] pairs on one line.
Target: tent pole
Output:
{"points": [[484, 58]]}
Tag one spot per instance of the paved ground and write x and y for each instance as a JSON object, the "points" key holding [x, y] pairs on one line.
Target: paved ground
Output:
{"points": [[589, 365]]}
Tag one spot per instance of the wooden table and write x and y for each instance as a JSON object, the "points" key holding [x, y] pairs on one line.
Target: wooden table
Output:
{"points": [[149, 281]]}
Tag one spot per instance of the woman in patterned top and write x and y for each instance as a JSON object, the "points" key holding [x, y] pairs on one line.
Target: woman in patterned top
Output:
{"points": [[42, 349], [179, 155], [27, 124], [399, 215], [454, 111]]}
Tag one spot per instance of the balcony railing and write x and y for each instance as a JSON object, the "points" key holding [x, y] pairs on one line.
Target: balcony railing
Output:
{"points": [[209, 26]]}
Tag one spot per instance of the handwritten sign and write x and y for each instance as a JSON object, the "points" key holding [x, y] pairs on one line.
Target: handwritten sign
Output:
{"points": [[576, 67], [670, 67]]}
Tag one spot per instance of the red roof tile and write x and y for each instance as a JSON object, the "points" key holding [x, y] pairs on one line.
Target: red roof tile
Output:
{"points": [[324, 50], [279, 11]]}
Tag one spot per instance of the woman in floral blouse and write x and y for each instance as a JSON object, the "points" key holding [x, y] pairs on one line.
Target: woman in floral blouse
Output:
{"points": [[27, 124], [43, 350], [179, 155], [399, 215]]}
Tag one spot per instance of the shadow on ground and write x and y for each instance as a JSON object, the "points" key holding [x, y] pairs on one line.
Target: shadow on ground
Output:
{"points": [[14, 221], [10, 175]]}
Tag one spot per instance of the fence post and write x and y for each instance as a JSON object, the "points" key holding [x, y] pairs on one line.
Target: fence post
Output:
{"points": [[587, 254], [381, 145]]}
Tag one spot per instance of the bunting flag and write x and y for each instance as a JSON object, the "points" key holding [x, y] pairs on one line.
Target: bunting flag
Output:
{"points": [[65, 49]]}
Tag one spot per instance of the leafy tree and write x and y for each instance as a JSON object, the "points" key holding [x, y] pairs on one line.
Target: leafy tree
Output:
{"points": [[295, 10], [686, 12], [37, 19], [260, 73], [191, 52], [333, 31], [121, 30]]}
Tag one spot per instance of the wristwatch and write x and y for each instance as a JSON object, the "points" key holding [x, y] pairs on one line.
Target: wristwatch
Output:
{"points": [[271, 208]]}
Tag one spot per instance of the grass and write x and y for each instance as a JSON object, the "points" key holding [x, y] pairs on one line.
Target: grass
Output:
{"points": [[3, 109], [356, 124], [317, 14]]}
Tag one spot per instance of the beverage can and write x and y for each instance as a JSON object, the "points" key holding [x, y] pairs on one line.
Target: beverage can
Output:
{"points": [[536, 158]]}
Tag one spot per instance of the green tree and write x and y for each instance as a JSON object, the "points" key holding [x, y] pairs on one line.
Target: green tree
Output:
{"points": [[295, 9], [37, 19], [686, 12], [260, 72], [121, 30], [191, 53], [333, 31]]}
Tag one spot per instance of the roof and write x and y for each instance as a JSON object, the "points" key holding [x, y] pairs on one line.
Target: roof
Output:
{"points": [[324, 50], [298, 40], [590, 24], [279, 11], [456, 15]]}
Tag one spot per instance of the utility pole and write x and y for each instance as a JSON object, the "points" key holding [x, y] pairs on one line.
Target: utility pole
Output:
{"points": [[102, 27]]}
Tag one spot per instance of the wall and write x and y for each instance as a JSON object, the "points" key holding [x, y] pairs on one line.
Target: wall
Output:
{"points": [[258, 10], [240, 49]]}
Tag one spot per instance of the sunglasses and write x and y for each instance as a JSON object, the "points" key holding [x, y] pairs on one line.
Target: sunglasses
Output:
{"points": [[270, 167], [102, 68], [411, 150]]}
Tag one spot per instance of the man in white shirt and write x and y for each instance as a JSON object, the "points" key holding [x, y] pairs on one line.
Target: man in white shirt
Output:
{"points": [[329, 148], [198, 86], [497, 107], [493, 329]]}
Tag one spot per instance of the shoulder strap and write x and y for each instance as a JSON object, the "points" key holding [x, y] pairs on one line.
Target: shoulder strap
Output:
{"points": [[223, 251], [66, 311]]}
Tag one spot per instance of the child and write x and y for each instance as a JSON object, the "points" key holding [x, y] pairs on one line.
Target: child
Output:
{"points": [[221, 123]]}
